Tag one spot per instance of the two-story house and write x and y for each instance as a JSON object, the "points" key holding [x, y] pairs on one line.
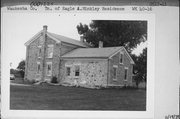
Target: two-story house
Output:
{"points": [[71, 61]]}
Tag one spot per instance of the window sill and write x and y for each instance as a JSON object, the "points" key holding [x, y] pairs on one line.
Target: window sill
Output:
{"points": [[114, 79], [76, 76]]}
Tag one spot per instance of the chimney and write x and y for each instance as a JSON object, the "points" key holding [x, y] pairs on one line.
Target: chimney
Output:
{"points": [[82, 39], [45, 28], [100, 44]]}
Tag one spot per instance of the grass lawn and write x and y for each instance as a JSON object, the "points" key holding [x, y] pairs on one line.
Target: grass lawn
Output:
{"points": [[46, 97]]}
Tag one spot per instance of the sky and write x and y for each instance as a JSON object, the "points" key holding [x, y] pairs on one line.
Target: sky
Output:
{"points": [[18, 28]]}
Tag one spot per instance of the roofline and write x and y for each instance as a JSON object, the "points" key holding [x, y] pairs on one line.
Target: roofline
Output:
{"points": [[55, 39], [52, 37], [83, 57], [74, 44], [115, 53], [64, 41], [129, 57], [33, 38]]}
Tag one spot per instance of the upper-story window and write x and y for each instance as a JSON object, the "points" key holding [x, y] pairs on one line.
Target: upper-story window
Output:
{"points": [[38, 67], [50, 51], [39, 51], [121, 58]]}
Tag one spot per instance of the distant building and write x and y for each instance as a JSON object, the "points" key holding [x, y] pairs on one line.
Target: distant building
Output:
{"points": [[75, 62]]}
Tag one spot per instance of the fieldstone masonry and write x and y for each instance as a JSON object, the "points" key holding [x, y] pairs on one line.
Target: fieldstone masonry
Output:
{"points": [[94, 71]]}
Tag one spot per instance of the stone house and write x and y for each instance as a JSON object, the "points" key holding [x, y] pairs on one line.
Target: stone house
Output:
{"points": [[75, 62]]}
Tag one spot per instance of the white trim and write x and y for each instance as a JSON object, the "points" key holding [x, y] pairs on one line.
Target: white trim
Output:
{"points": [[33, 38], [126, 68], [68, 65], [131, 60], [50, 45], [119, 51], [115, 53], [48, 63], [116, 66]]}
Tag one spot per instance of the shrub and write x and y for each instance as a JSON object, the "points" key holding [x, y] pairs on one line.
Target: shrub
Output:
{"points": [[54, 79]]}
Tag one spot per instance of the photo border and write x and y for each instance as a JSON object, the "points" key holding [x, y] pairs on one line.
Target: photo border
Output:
{"points": [[149, 113]]}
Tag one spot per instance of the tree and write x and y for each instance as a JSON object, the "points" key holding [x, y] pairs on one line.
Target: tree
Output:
{"points": [[114, 33], [119, 33], [140, 67], [21, 68]]}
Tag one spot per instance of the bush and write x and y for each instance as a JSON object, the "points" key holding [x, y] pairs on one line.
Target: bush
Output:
{"points": [[54, 79]]}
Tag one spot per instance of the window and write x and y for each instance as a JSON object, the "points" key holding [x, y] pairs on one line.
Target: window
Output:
{"points": [[77, 69], [115, 72], [39, 51], [68, 71], [50, 51], [121, 58], [38, 67], [125, 73], [49, 68]]}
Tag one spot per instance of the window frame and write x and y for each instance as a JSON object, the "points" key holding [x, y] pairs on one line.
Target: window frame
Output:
{"points": [[125, 73], [47, 73], [69, 70], [50, 46], [115, 76], [75, 70], [121, 56], [38, 67], [39, 53]]}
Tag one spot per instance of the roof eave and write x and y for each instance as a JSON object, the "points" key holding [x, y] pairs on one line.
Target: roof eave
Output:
{"points": [[83, 57], [33, 38]]}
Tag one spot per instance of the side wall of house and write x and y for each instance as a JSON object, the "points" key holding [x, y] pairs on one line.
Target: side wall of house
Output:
{"points": [[120, 78], [93, 72], [55, 60], [32, 59]]}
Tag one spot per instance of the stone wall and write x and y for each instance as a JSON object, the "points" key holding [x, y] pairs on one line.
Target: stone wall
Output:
{"points": [[32, 59], [93, 72], [120, 71]]}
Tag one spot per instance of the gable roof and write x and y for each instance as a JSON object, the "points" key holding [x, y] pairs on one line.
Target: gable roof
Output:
{"points": [[92, 52], [66, 39], [57, 38], [105, 52]]}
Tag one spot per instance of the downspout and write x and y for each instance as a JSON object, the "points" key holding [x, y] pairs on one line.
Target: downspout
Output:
{"points": [[26, 62], [59, 62], [44, 52], [107, 71]]}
